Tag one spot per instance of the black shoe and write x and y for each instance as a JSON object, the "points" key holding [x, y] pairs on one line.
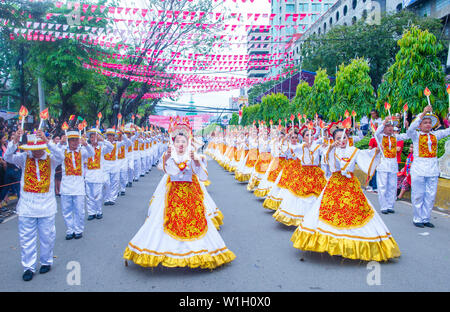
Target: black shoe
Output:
{"points": [[27, 275], [99, 216], [44, 269], [418, 224], [429, 224], [122, 193], [391, 210], [128, 184], [78, 236], [91, 217], [142, 175], [384, 211], [70, 236], [131, 184], [109, 203]]}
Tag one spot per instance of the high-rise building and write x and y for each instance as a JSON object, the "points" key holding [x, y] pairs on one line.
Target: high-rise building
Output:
{"points": [[293, 17], [258, 43]]}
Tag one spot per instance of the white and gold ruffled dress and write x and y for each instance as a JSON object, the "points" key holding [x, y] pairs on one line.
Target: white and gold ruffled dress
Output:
{"points": [[303, 187], [179, 230], [342, 221]]}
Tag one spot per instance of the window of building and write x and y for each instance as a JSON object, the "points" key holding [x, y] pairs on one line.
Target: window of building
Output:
{"points": [[399, 7], [324, 27], [354, 4], [290, 8], [345, 10], [316, 7], [353, 20], [337, 16], [303, 7], [331, 21]]}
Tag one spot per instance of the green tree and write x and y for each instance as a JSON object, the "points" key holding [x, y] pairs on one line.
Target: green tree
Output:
{"points": [[353, 90], [320, 99], [300, 102], [375, 42], [274, 106], [417, 66], [234, 119]]}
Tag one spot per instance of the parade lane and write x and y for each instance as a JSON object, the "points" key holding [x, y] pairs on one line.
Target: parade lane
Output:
{"points": [[265, 259]]}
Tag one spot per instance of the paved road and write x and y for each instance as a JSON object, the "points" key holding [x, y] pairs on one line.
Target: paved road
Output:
{"points": [[266, 260]]}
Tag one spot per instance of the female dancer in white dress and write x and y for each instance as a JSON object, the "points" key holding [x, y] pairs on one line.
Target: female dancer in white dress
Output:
{"points": [[342, 221], [178, 231], [304, 184]]}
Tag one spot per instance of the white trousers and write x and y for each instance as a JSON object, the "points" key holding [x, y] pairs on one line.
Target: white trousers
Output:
{"points": [[72, 207], [143, 166], [423, 195], [29, 229], [111, 186], [123, 180], [387, 189], [137, 168], [94, 198]]}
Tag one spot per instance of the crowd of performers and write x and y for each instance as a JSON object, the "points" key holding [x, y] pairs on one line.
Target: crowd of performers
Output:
{"points": [[96, 168], [305, 174]]}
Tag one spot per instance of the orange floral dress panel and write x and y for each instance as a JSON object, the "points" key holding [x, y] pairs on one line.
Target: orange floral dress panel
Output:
{"points": [[291, 166], [252, 157], [423, 146], [263, 162], [185, 216], [306, 181], [277, 165], [389, 152], [94, 162], [31, 182], [136, 145], [343, 204], [68, 163]]}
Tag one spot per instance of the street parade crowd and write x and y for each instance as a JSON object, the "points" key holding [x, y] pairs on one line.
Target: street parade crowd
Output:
{"points": [[305, 172], [87, 170]]}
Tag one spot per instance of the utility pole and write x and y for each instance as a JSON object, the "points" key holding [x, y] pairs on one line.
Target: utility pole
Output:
{"points": [[41, 97]]}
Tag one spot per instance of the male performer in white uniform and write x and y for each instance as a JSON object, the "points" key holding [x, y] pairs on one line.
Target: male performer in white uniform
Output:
{"points": [[388, 167], [95, 175], [425, 167], [37, 204], [73, 189]]}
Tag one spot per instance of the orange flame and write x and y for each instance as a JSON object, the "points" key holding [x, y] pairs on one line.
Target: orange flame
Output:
{"points": [[44, 114], [427, 92], [23, 112]]}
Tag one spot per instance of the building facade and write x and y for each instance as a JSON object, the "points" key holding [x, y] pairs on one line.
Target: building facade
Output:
{"points": [[258, 43], [293, 17]]}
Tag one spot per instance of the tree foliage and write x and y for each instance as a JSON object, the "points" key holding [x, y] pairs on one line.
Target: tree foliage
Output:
{"points": [[353, 90], [416, 67], [374, 42]]}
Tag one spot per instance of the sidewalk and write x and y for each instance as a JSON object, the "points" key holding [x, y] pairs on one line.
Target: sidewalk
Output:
{"points": [[8, 212], [442, 202]]}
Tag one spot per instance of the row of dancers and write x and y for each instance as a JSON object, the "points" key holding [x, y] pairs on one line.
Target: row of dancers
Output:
{"points": [[306, 176]]}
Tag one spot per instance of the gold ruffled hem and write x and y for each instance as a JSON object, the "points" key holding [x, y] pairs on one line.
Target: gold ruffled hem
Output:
{"points": [[218, 220], [382, 250], [242, 177], [289, 221], [204, 261], [252, 184], [271, 204], [207, 183], [261, 193]]}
